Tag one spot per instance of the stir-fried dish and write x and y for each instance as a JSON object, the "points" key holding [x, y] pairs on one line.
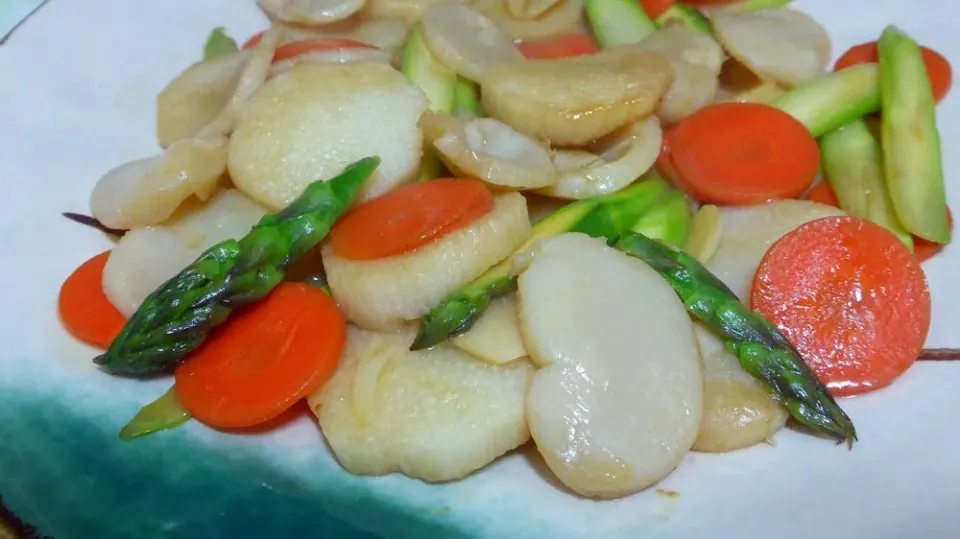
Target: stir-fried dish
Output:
{"points": [[618, 230]]}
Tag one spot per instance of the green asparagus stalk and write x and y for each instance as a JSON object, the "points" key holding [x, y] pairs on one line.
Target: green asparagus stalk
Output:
{"points": [[668, 221], [176, 318], [466, 98], [167, 412], [762, 350], [753, 5], [219, 44], [605, 216], [834, 100]]}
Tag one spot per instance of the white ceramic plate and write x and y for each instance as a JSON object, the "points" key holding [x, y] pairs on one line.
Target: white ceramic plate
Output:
{"points": [[77, 89]]}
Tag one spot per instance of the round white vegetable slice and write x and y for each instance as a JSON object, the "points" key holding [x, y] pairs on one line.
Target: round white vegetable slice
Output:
{"points": [[563, 18], [147, 191], [575, 101], [314, 120], [383, 294], [685, 44], [622, 159], [782, 45], [310, 12], [495, 336], [466, 41], [386, 33], [410, 11], [618, 402], [337, 56], [491, 151], [435, 414], [145, 258], [529, 9]]}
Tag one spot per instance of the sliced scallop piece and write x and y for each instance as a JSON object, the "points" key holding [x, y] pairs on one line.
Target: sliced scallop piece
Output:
{"points": [[620, 160], [529, 9], [618, 401], [489, 150], [384, 294], [316, 119], [410, 11], [310, 12], [781, 45], [575, 101], [145, 258], [466, 41], [386, 33], [685, 44], [495, 336], [563, 17], [147, 191], [436, 414], [337, 56]]}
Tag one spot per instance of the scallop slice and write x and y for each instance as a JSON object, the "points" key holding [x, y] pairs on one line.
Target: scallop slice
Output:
{"points": [[389, 34], [145, 258], [465, 40], [563, 17], [310, 12], [410, 11], [489, 150], [619, 161], [684, 44], [618, 401], [336, 56], [495, 336], [574, 101], [781, 45], [435, 414], [529, 9], [147, 191], [384, 294], [316, 119]]}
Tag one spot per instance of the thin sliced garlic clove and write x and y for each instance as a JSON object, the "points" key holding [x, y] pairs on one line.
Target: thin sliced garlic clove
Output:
{"points": [[465, 40], [704, 237], [310, 12]]}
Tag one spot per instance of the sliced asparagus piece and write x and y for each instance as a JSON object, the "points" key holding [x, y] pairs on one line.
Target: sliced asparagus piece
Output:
{"points": [[175, 319], [853, 165], [167, 412], [761, 349], [618, 22], [668, 221], [466, 99], [687, 16], [911, 142], [834, 100], [605, 216]]}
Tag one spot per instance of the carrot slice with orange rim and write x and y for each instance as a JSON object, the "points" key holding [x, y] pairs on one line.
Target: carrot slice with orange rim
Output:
{"points": [[850, 296], [655, 8], [319, 44], [824, 194], [743, 153], [265, 359], [84, 309], [410, 217], [938, 68]]}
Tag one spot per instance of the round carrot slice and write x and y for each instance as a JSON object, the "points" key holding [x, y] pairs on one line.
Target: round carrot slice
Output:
{"points": [[655, 8], [410, 217], [925, 249], [562, 46], [264, 359], [938, 68], [84, 309], [852, 299], [743, 153], [824, 194]]}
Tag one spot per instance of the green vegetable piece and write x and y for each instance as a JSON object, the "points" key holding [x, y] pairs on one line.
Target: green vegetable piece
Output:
{"points": [[911, 142], [853, 165], [834, 100], [466, 98], [668, 221], [618, 22], [605, 216], [176, 318], [753, 5], [761, 349], [685, 15], [167, 412], [219, 44]]}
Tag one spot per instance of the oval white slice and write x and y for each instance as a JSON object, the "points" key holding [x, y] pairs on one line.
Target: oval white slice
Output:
{"points": [[495, 336], [435, 414], [563, 18], [618, 402], [685, 44], [529, 9], [310, 12], [465, 40], [337, 56]]}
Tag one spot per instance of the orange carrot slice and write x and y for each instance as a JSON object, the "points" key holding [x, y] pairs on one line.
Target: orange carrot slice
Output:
{"points": [[655, 8], [84, 310], [562, 46], [852, 299], [410, 217], [743, 153], [938, 68], [824, 194], [265, 359], [320, 44]]}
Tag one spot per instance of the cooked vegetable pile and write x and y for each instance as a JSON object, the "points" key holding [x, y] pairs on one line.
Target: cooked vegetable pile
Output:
{"points": [[457, 228]]}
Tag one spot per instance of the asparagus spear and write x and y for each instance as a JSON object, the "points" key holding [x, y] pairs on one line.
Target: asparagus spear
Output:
{"points": [[762, 350], [167, 412], [604, 216], [176, 318], [833, 100]]}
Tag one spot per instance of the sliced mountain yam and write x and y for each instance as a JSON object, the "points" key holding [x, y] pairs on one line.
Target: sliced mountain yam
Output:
{"points": [[495, 336], [465, 40]]}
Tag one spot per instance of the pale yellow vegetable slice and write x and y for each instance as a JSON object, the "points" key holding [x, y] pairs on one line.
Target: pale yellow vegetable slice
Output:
{"points": [[147, 191], [529, 9], [781, 45], [563, 18], [387, 33], [310, 12], [574, 101], [495, 336], [705, 231], [685, 44], [410, 11], [436, 414], [384, 294], [314, 120], [618, 401], [337, 56], [489, 150], [144, 258], [763, 92], [620, 160], [465, 40]]}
